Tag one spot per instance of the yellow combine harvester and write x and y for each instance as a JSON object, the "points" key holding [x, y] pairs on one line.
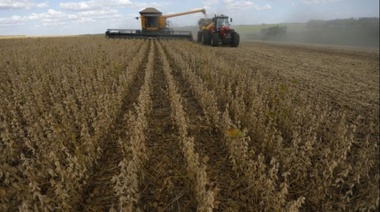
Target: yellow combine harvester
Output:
{"points": [[154, 24]]}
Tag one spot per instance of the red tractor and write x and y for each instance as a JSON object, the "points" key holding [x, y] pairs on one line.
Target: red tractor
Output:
{"points": [[217, 31]]}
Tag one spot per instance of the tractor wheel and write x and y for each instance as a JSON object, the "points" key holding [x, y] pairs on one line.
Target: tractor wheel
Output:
{"points": [[199, 36], [206, 40], [235, 40], [215, 39]]}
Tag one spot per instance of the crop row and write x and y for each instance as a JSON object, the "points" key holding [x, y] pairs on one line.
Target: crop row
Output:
{"points": [[205, 198], [126, 183]]}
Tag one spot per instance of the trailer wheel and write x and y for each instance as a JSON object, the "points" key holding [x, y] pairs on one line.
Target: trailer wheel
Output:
{"points": [[215, 39], [235, 40], [199, 37], [206, 37]]}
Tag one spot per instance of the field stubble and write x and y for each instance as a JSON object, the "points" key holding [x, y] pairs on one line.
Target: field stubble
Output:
{"points": [[95, 124]]}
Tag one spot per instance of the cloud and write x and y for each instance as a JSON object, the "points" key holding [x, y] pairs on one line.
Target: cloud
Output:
{"points": [[89, 11], [239, 5], [55, 17], [91, 16], [13, 20], [79, 6], [96, 4], [121, 2], [67, 14], [210, 4], [265, 7], [319, 1], [21, 4], [143, 5]]}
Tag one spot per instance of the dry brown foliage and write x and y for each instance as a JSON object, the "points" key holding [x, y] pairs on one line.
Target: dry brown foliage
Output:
{"points": [[307, 119]]}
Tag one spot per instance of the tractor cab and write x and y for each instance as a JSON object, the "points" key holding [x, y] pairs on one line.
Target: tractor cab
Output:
{"points": [[221, 21]]}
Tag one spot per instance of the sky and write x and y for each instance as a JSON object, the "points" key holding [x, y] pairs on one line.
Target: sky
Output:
{"points": [[68, 17]]}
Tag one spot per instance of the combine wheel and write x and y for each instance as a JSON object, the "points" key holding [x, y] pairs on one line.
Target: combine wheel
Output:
{"points": [[235, 40], [199, 37], [206, 37], [215, 39]]}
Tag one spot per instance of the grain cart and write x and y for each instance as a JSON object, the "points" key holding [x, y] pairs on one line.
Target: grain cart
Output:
{"points": [[217, 31], [154, 24]]}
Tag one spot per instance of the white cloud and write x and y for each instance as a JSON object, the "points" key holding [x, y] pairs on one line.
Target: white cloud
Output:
{"points": [[96, 4], [21, 4], [319, 1], [85, 5], [72, 12], [42, 5], [13, 20], [91, 16], [95, 13], [55, 17], [121, 2], [231, 4], [103, 10], [142, 5], [210, 4]]}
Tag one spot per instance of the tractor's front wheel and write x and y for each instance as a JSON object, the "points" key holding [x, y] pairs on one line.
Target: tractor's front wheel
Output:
{"points": [[235, 40], [215, 39], [206, 37]]}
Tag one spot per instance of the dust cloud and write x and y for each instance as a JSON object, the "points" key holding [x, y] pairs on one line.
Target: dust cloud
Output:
{"points": [[362, 32]]}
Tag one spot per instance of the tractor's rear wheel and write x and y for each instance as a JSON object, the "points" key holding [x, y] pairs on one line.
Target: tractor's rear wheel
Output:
{"points": [[206, 37], [199, 36], [215, 39], [235, 40]]}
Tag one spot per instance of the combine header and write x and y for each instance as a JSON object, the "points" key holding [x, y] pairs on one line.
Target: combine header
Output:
{"points": [[154, 24]]}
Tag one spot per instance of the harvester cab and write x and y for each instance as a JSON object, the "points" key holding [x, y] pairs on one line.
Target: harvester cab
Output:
{"points": [[154, 24], [217, 31]]}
